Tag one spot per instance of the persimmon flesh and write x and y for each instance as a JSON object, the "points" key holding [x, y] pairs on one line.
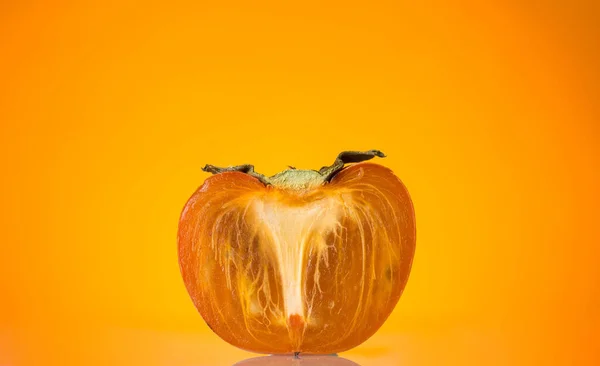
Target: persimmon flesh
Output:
{"points": [[297, 263]]}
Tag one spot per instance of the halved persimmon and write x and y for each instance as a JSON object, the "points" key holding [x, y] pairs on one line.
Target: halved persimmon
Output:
{"points": [[304, 261]]}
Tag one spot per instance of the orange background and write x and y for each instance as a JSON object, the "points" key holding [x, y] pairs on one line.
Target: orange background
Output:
{"points": [[488, 111]]}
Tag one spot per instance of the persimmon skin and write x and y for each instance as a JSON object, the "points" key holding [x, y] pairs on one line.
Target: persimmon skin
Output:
{"points": [[318, 271]]}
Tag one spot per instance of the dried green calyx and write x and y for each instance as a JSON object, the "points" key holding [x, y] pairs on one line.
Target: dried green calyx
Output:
{"points": [[299, 179]]}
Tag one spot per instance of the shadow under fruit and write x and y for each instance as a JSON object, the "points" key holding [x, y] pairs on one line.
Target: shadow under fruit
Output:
{"points": [[303, 261]]}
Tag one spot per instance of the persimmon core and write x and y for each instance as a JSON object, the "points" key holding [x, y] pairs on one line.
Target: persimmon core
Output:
{"points": [[293, 230]]}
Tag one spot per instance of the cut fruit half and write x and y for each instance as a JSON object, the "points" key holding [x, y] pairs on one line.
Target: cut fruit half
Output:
{"points": [[305, 261]]}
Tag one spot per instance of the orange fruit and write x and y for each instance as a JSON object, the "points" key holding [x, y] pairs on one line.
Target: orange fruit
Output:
{"points": [[304, 261]]}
